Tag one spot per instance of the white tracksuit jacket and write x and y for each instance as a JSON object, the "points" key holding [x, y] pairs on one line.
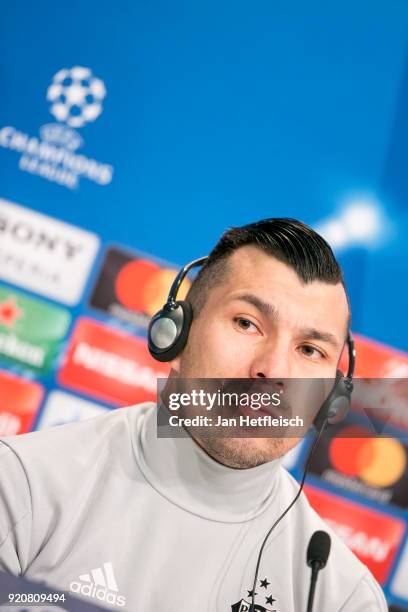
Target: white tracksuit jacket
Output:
{"points": [[107, 510]]}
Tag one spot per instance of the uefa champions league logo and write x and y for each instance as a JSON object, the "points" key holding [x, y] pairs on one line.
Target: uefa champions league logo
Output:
{"points": [[76, 96]]}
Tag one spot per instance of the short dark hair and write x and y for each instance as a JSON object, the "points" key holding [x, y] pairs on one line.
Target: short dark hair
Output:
{"points": [[288, 240]]}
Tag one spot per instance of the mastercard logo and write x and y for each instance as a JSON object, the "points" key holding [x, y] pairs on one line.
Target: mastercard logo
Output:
{"points": [[142, 285], [378, 462]]}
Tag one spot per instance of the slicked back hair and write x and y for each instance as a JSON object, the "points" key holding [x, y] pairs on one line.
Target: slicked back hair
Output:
{"points": [[287, 240]]}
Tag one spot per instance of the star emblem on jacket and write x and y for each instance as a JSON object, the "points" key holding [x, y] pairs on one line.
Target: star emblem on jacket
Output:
{"points": [[261, 595]]}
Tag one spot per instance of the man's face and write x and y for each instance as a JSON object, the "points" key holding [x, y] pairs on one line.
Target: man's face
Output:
{"points": [[262, 321]]}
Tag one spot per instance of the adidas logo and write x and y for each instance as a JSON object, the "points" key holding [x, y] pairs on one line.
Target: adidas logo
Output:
{"points": [[100, 584]]}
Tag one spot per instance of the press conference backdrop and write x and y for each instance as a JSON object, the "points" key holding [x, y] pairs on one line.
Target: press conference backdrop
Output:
{"points": [[133, 134]]}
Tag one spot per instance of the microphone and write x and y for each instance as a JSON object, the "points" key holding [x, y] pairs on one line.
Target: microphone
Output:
{"points": [[317, 554]]}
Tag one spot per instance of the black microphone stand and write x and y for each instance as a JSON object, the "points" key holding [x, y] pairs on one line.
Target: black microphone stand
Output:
{"points": [[313, 580]]}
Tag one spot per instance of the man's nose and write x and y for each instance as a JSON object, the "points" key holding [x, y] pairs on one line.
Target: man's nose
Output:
{"points": [[272, 360]]}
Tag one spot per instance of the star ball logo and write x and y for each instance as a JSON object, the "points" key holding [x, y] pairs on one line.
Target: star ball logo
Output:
{"points": [[132, 288], [75, 96]]}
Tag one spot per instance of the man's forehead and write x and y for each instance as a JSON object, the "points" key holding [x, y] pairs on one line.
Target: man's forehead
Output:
{"points": [[251, 262], [248, 255]]}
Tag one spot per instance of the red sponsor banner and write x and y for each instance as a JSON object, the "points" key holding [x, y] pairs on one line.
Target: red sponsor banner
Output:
{"points": [[382, 399], [375, 360], [373, 537], [19, 402], [110, 365], [384, 389]]}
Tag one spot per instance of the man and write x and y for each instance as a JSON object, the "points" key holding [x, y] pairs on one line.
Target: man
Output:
{"points": [[106, 509]]}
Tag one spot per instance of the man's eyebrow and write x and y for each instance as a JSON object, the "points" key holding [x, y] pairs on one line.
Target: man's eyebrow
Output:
{"points": [[316, 334], [269, 310], [265, 308]]}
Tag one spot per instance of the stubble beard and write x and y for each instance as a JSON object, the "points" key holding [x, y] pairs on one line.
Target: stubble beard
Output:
{"points": [[242, 453]]}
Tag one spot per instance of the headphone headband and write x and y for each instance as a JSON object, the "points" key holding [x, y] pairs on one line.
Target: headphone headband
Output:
{"points": [[171, 300], [351, 356]]}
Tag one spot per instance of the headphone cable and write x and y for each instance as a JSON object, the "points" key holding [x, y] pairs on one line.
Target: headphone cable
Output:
{"points": [[278, 520]]}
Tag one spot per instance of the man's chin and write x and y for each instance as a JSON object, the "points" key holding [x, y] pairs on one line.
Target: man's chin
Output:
{"points": [[244, 453]]}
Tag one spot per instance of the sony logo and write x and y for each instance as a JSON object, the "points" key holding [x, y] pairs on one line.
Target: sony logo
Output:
{"points": [[26, 234]]}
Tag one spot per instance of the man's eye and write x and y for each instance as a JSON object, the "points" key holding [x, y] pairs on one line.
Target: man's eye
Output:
{"points": [[245, 324], [311, 351]]}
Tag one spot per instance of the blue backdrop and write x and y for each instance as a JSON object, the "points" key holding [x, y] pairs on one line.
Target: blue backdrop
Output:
{"points": [[220, 113], [156, 126]]}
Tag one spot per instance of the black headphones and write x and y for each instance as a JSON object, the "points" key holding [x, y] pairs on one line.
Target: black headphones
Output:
{"points": [[168, 332]]}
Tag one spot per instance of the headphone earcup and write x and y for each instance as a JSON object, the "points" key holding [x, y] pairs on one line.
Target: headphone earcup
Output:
{"points": [[337, 404], [168, 331]]}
